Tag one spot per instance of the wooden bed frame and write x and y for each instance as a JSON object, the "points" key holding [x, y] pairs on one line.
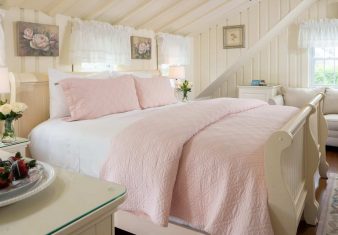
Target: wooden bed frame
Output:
{"points": [[292, 156]]}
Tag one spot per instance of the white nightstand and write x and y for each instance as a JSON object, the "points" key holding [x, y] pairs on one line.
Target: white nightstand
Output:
{"points": [[19, 145], [73, 204], [258, 92]]}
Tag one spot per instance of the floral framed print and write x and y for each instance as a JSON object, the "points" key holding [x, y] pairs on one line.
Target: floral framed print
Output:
{"points": [[37, 39], [234, 36], [140, 48]]}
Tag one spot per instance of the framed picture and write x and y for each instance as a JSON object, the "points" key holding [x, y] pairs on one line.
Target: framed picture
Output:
{"points": [[140, 48], [234, 36], [37, 39]]}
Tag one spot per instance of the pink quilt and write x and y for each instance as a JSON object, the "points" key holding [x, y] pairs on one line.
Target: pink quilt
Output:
{"points": [[202, 163]]}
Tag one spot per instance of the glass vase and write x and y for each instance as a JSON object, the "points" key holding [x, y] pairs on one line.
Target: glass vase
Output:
{"points": [[9, 133], [184, 96]]}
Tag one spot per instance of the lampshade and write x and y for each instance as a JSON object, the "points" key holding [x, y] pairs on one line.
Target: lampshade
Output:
{"points": [[4, 81], [177, 72]]}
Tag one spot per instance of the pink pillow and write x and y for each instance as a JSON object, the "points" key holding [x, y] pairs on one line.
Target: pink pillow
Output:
{"points": [[89, 99], [153, 92]]}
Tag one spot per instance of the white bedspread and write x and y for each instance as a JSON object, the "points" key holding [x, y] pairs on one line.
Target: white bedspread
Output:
{"points": [[81, 146]]}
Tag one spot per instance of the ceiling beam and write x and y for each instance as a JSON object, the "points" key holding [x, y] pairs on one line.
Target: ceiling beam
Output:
{"points": [[12, 3], [158, 15], [251, 52], [101, 9], [203, 22], [60, 6], [134, 11], [192, 15]]}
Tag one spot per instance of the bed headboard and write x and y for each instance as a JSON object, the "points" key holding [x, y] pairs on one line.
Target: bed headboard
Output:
{"points": [[32, 89]]}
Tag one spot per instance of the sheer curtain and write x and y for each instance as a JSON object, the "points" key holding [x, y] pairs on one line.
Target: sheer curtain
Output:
{"points": [[96, 42], [322, 33], [2, 39], [173, 49]]}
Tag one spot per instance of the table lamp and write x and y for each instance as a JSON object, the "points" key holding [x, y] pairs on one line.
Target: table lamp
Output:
{"points": [[176, 72]]}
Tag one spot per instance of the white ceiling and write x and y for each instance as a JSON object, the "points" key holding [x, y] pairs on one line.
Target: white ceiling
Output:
{"points": [[172, 16]]}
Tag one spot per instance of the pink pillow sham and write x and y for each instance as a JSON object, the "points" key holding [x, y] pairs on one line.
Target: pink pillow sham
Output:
{"points": [[89, 99], [153, 92]]}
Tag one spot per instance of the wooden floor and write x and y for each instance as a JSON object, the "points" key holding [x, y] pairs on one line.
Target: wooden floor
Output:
{"points": [[332, 159]]}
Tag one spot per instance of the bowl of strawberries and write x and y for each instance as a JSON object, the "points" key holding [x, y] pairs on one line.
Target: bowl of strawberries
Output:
{"points": [[21, 177]]}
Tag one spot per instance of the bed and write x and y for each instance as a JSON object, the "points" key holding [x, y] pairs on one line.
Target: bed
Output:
{"points": [[290, 159]]}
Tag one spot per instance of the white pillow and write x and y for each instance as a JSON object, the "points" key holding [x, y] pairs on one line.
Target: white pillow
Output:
{"points": [[331, 101], [299, 97], [58, 107]]}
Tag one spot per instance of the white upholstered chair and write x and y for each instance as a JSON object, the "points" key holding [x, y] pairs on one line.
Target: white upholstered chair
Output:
{"points": [[298, 97]]}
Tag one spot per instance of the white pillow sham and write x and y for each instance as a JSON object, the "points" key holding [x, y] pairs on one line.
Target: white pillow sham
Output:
{"points": [[58, 107]]}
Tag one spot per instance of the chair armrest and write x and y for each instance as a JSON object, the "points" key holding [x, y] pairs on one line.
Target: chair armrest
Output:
{"points": [[276, 100]]}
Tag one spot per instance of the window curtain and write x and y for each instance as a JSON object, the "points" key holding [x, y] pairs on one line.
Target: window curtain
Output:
{"points": [[173, 49], [323, 33], [96, 42], [2, 40]]}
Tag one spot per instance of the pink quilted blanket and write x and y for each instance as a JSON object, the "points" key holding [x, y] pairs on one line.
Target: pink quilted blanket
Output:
{"points": [[201, 162]]}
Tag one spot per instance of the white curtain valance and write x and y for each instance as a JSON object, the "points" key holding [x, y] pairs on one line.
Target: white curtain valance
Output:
{"points": [[2, 39], [96, 42], [173, 49], [323, 33]]}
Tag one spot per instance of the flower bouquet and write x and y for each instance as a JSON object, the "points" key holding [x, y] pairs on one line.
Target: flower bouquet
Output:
{"points": [[184, 87], [9, 113]]}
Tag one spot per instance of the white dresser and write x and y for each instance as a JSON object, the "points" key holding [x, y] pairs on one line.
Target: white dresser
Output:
{"points": [[258, 92]]}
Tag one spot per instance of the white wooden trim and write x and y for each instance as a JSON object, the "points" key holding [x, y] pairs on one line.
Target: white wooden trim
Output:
{"points": [[286, 21]]}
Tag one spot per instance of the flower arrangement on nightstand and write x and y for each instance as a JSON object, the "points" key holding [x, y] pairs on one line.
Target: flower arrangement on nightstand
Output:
{"points": [[184, 87], [9, 113]]}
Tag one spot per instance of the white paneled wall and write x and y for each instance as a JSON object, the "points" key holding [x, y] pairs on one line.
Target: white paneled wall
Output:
{"points": [[41, 64], [279, 62]]}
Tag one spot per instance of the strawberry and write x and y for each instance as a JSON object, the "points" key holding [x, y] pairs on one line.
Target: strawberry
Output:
{"points": [[19, 169], [5, 177]]}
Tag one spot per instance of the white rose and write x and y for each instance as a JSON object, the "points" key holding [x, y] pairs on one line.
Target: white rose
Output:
{"points": [[40, 42], [5, 109], [19, 107]]}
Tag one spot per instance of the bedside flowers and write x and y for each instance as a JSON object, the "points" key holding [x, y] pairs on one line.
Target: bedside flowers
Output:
{"points": [[184, 87], [9, 113]]}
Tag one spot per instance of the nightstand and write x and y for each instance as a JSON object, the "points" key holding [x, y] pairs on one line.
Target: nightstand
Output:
{"points": [[258, 92], [19, 145], [73, 204]]}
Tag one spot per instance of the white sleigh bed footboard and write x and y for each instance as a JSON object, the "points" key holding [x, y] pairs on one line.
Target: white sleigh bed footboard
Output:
{"points": [[292, 156]]}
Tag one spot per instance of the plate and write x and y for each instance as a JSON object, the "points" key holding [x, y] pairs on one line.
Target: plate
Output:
{"points": [[46, 179], [35, 174]]}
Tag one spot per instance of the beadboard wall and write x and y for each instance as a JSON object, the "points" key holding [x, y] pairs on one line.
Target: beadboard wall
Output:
{"points": [[41, 64], [279, 62]]}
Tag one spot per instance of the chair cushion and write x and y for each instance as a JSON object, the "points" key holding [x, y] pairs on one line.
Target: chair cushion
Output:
{"points": [[332, 121], [331, 141], [333, 134], [299, 97], [330, 102]]}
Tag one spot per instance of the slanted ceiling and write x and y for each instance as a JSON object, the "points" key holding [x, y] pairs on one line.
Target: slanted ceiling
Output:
{"points": [[186, 17]]}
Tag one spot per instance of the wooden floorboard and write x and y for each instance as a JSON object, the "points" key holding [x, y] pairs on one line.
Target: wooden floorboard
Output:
{"points": [[332, 159]]}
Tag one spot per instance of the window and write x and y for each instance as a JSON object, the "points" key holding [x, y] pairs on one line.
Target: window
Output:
{"points": [[324, 67]]}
